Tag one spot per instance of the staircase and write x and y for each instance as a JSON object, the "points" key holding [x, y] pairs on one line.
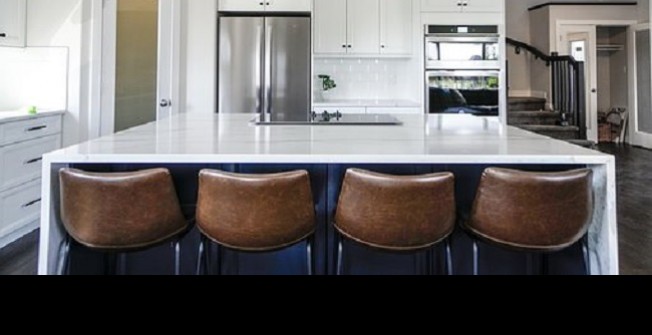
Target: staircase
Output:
{"points": [[531, 114]]}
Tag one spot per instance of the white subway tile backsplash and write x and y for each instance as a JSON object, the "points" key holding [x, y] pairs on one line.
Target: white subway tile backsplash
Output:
{"points": [[364, 78]]}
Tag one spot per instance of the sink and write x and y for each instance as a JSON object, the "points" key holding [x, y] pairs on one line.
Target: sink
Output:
{"points": [[337, 120]]}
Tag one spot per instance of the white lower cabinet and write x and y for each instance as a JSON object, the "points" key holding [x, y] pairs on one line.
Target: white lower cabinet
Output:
{"points": [[23, 143]]}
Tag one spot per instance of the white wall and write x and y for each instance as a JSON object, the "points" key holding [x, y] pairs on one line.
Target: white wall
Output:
{"points": [[66, 23], [199, 53]]}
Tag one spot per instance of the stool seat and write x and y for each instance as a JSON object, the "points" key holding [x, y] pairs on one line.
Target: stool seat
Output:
{"points": [[120, 211], [542, 212], [255, 213], [396, 213]]}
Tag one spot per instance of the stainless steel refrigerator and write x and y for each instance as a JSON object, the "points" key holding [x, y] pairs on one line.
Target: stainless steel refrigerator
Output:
{"points": [[265, 66]]}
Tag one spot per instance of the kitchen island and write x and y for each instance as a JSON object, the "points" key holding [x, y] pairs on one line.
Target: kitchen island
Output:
{"points": [[465, 145]]}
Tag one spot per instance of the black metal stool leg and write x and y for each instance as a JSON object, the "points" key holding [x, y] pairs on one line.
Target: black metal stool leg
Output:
{"points": [[122, 264], [449, 257], [64, 254], [218, 264], [110, 264], [545, 264], [309, 255], [201, 255], [475, 258], [340, 251], [176, 246], [587, 256]]}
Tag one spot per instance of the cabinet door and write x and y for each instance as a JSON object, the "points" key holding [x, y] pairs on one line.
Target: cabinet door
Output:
{"points": [[288, 5], [441, 5], [363, 26], [488, 6], [330, 27], [13, 16], [242, 5], [395, 27]]}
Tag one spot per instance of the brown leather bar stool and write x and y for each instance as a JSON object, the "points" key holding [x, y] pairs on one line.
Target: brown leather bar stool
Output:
{"points": [[532, 212], [254, 213], [120, 212], [396, 213]]}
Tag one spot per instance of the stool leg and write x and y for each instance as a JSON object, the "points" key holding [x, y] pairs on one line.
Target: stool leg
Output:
{"points": [[218, 264], [309, 246], [545, 264], [201, 255], [475, 258], [64, 254], [110, 264], [587, 257], [338, 265], [122, 262], [449, 257], [176, 245]]}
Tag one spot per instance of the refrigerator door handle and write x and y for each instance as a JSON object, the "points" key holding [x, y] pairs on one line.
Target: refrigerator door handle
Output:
{"points": [[268, 71], [260, 69]]}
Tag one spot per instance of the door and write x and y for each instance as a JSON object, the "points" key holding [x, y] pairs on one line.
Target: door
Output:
{"points": [[242, 5], [13, 14], [140, 62], [579, 41], [288, 67], [288, 5], [395, 27], [330, 26], [240, 54], [641, 78], [363, 22]]}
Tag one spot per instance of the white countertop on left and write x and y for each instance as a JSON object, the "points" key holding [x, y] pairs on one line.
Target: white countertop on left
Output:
{"points": [[10, 116]]}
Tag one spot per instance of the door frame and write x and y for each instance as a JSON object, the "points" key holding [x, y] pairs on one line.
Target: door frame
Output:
{"points": [[103, 56], [595, 23], [636, 137]]}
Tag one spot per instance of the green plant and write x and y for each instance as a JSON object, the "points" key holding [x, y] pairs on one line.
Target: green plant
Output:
{"points": [[327, 83]]}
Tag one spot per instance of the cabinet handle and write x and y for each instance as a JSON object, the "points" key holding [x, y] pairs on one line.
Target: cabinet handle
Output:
{"points": [[344, 46], [349, 46], [3, 35], [29, 130], [31, 203], [465, 3], [382, 46], [262, 3], [32, 161]]}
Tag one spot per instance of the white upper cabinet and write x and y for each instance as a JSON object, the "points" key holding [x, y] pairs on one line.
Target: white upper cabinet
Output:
{"points": [[363, 27], [395, 27], [13, 18], [241, 5], [288, 5], [363, 23], [264, 5], [330, 27], [475, 6]]}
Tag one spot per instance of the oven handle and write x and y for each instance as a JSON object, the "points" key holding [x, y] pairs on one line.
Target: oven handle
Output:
{"points": [[460, 39], [463, 73]]}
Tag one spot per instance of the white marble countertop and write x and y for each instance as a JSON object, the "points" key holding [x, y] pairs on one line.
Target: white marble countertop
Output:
{"points": [[366, 103], [10, 116], [231, 138]]}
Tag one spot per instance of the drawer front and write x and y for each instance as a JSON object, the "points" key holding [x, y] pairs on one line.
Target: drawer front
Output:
{"points": [[13, 132], [22, 162], [18, 206]]}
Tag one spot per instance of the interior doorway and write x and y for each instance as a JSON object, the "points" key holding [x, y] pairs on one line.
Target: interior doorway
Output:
{"points": [[140, 62]]}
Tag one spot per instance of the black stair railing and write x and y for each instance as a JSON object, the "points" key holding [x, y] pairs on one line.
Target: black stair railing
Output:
{"points": [[568, 84]]}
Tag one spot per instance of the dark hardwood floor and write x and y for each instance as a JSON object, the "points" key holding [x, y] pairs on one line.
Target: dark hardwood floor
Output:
{"points": [[634, 219], [634, 207]]}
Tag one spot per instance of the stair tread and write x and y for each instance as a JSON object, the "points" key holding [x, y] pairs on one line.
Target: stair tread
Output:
{"points": [[534, 113], [550, 128], [525, 99]]}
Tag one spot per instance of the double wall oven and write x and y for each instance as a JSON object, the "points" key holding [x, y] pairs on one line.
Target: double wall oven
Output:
{"points": [[462, 69]]}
